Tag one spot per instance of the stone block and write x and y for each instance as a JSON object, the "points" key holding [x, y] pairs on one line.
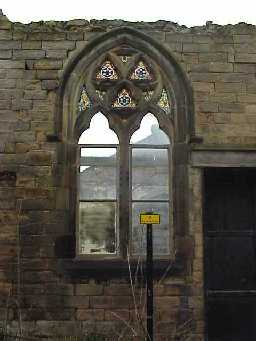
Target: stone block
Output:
{"points": [[90, 314], [58, 45], [218, 97], [56, 314], [203, 86], [202, 38], [75, 35], [76, 301], [179, 37], [8, 217], [5, 24], [37, 204], [167, 302], [31, 45], [5, 104], [39, 157], [243, 38], [220, 67], [15, 74], [30, 74], [100, 302], [5, 35], [191, 58], [19, 35], [246, 98], [222, 47], [195, 47], [3, 74], [245, 58], [47, 64], [172, 290], [7, 249], [221, 77], [245, 48], [89, 289], [62, 329], [6, 94], [213, 57], [35, 94], [47, 74], [6, 126], [230, 87], [117, 290], [122, 302], [42, 126], [56, 54], [8, 84], [5, 54], [201, 67], [41, 277], [6, 45], [251, 109], [220, 117], [12, 64], [33, 193], [207, 107], [60, 289], [28, 54], [117, 315], [46, 36], [245, 68], [50, 84], [22, 104]]}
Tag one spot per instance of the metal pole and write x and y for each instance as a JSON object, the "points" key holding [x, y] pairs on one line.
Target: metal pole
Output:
{"points": [[150, 292]]}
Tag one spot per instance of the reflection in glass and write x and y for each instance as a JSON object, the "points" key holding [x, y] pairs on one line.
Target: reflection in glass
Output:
{"points": [[150, 174], [97, 179], [99, 132], [97, 228], [149, 132], [150, 185], [161, 233]]}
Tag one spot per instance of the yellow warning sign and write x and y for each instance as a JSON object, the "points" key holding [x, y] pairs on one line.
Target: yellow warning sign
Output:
{"points": [[149, 218]]}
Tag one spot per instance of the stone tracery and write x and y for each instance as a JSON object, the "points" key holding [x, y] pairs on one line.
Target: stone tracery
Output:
{"points": [[119, 84]]}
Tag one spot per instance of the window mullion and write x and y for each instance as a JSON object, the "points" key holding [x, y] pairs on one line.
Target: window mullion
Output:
{"points": [[124, 194]]}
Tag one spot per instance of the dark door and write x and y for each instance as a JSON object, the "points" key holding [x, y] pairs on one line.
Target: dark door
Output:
{"points": [[229, 239]]}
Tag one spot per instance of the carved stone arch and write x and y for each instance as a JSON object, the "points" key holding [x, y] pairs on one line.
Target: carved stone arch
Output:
{"points": [[177, 83]]}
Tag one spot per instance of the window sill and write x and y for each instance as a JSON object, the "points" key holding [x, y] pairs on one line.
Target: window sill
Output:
{"points": [[106, 269]]}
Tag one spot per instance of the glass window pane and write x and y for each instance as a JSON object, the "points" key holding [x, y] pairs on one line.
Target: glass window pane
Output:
{"points": [[97, 178], [99, 132], [149, 132], [150, 174], [161, 233], [97, 228]]}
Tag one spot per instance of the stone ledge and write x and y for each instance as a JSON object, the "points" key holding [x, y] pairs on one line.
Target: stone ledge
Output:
{"points": [[106, 269]]}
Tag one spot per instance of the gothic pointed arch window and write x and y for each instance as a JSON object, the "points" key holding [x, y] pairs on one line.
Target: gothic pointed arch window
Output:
{"points": [[125, 117], [124, 135]]}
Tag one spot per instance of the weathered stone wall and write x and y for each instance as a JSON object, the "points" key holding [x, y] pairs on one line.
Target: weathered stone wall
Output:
{"points": [[220, 63]]}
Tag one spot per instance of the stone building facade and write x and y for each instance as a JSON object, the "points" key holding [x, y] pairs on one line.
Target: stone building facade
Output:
{"points": [[214, 69]]}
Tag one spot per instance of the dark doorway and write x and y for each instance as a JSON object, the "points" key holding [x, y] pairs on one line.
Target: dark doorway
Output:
{"points": [[229, 239]]}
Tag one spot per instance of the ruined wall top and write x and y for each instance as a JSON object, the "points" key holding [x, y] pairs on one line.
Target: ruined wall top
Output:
{"points": [[104, 24]]}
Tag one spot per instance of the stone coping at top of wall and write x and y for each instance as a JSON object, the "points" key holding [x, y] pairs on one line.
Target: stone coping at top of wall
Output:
{"points": [[95, 25]]}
